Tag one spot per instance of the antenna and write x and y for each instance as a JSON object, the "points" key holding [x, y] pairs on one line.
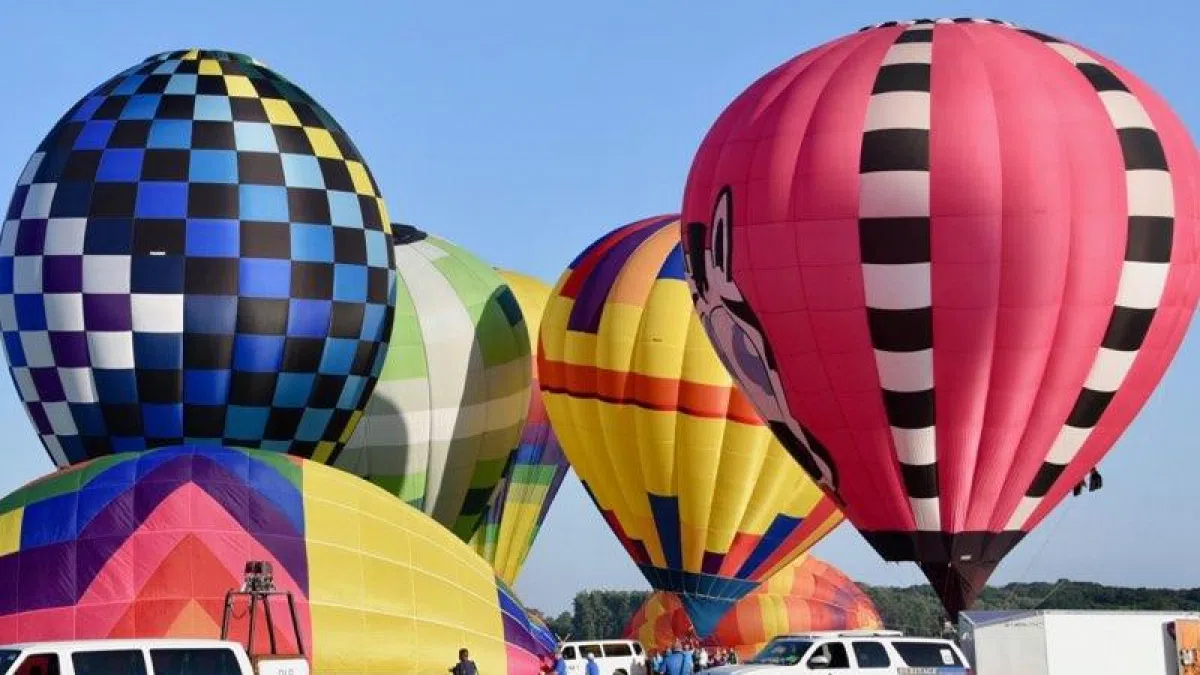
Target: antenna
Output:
{"points": [[258, 587]]}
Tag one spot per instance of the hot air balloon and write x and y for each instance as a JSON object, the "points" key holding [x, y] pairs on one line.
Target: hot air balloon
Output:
{"points": [[146, 545], [536, 471], [447, 414], [948, 261], [695, 486], [807, 595], [196, 251]]}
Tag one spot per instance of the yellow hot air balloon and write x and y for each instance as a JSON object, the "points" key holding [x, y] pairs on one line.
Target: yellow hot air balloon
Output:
{"points": [[692, 482], [538, 467]]}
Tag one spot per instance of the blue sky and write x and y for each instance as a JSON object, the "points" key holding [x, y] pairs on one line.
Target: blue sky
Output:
{"points": [[523, 131]]}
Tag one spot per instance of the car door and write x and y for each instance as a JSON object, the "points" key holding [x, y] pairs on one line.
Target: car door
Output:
{"points": [[828, 658]]}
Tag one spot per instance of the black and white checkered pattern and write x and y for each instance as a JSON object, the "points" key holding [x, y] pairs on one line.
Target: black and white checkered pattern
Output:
{"points": [[894, 235], [1143, 274]]}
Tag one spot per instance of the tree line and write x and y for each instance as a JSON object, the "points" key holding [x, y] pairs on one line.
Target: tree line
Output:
{"points": [[598, 614]]}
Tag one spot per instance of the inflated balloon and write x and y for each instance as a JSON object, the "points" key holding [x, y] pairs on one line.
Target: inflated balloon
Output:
{"points": [[808, 595], [701, 495], [196, 251], [948, 262], [146, 545], [536, 471], [447, 414]]}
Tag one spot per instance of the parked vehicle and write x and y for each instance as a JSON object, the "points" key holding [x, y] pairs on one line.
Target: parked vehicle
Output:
{"points": [[142, 657], [867, 652], [615, 657], [1049, 642]]}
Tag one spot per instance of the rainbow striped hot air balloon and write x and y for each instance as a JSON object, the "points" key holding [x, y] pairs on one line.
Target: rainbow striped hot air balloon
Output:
{"points": [[536, 471], [808, 595], [701, 495], [146, 545]]}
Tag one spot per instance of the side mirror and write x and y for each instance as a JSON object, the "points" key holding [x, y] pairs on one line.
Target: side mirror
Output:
{"points": [[819, 661]]}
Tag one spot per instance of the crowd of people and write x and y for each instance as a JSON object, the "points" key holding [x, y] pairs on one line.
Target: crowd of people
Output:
{"points": [[688, 656]]}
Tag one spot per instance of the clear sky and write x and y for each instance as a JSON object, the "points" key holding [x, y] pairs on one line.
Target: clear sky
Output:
{"points": [[524, 130]]}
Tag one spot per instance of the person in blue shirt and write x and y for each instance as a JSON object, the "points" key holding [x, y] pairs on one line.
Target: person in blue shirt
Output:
{"points": [[673, 662], [689, 659], [560, 664], [593, 668], [656, 663], [465, 665]]}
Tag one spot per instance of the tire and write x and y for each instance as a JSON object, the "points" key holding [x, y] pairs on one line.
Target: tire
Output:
{"points": [[620, 671]]}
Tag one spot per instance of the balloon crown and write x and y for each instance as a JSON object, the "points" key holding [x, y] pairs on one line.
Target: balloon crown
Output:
{"points": [[197, 54], [913, 22]]}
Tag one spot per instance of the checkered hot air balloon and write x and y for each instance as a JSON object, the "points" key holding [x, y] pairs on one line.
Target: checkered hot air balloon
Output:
{"points": [[195, 252], [948, 261], [446, 418], [695, 486]]}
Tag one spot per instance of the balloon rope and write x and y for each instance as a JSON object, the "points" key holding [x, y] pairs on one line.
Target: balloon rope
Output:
{"points": [[1058, 521]]}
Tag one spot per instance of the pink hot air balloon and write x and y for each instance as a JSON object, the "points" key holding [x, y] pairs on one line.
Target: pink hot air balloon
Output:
{"points": [[948, 261]]}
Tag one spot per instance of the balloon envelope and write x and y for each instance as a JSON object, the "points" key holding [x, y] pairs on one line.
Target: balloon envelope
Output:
{"points": [[147, 544], [447, 414], [196, 251], [701, 495], [536, 471], [949, 262], [807, 595]]}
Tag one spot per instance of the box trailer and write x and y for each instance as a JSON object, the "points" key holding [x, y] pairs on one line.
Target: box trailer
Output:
{"points": [[1067, 642]]}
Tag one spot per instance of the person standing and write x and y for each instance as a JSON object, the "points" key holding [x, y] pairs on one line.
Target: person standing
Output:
{"points": [[689, 658], [560, 664], [656, 663], [593, 668], [673, 661], [465, 665], [702, 659]]}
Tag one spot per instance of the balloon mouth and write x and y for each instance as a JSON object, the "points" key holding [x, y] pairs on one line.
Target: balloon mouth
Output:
{"points": [[406, 234]]}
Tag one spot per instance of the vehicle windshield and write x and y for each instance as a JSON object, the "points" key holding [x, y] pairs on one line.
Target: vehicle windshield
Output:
{"points": [[783, 652], [7, 657]]}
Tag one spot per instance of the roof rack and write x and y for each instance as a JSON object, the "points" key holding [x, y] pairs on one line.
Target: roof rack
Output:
{"points": [[848, 633]]}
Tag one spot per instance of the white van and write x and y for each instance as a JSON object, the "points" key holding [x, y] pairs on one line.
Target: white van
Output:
{"points": [[615, 657], [868, 652], [142, 657]]}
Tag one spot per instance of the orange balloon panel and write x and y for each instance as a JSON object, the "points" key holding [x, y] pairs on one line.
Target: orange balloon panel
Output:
{"points": [[809, 594]]}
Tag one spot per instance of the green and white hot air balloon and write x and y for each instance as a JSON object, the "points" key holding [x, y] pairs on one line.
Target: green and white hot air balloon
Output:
{"points": [[447, 414]]}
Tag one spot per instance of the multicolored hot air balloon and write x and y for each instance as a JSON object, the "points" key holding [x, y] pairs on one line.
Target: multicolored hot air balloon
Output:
{"points": [[447, 414], [807, 595], [195, 252], [701, 495], [536, 471], [147, 544], [948, 262]]}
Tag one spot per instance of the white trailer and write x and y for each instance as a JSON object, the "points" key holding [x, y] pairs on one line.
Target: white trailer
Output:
{"points": [[1069, 642]]}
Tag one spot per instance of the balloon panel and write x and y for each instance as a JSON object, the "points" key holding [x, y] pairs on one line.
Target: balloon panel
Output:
{"points": [[951, 277], [195, 252], [808, 595], [524, 496], [147, 544], [697, 489], [447, 414]]}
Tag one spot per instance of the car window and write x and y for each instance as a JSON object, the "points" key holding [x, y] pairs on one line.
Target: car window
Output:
{"points": [[637, 648], [835, 657], [871, 655], [590, 650], [114, 662], [211, 661], [617, 649], [781, 652], [39, 664], [568, 653], [926, 654], [7, 658]]}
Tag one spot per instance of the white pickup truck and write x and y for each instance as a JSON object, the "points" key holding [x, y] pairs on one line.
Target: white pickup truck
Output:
{"points": [[143, 657]]}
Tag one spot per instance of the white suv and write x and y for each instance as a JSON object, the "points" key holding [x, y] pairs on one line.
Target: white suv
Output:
{"points": [[615, 657], [878, 652]]}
